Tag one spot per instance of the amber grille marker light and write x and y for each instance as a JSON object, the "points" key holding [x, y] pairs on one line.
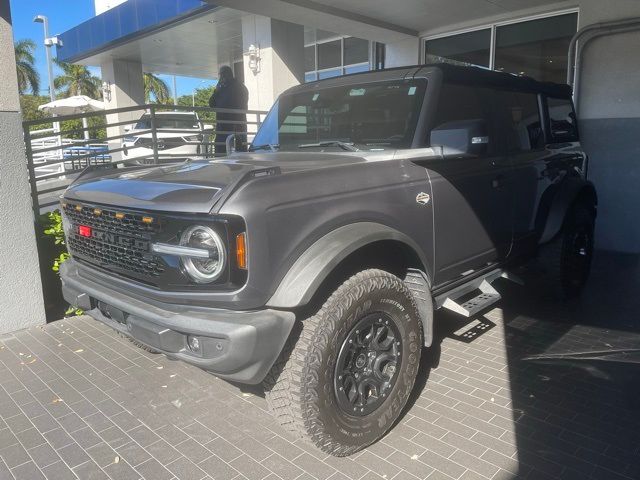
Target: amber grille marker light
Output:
{"points": [[241, 251], [147, 220], [119, 215]]}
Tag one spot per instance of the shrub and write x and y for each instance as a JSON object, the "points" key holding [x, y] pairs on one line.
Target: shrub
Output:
{"points": [[56, 230]]}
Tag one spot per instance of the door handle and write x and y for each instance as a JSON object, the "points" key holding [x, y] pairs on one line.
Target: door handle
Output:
{"points": [[497, 181]]}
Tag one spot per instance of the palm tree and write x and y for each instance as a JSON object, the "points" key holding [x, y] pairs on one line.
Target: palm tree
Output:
{"points": [[77, 80], [28, 78], [154, 85]]}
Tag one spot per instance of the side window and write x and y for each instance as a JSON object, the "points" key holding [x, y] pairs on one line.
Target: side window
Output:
{"points": [[463, 105], [523, 118], [562, 120]]}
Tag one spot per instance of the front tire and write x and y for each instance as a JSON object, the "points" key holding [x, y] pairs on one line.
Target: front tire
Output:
{"points": [[344, 382]]}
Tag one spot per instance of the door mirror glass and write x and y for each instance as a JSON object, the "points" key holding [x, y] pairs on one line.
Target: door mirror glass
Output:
{"points": [[461, 138]]}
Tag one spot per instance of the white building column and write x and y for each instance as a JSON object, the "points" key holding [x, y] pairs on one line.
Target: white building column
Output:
{"points": [[281, 50], [125, 88], [21, 301]]}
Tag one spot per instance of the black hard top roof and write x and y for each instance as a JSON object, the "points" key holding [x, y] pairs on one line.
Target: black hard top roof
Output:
{"points": [[452, 73]]}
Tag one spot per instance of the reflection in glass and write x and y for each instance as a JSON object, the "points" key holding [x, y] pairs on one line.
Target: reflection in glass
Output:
{"points": [[329, 73], [329, 54], [537, 48], [473, 48], [356, 50]]}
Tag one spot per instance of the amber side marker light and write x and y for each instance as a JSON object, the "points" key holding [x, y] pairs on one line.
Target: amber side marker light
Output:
{"points": [[241, 251]]}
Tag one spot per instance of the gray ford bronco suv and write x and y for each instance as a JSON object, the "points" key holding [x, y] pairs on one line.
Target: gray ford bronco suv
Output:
{"points": [[314, 262]]}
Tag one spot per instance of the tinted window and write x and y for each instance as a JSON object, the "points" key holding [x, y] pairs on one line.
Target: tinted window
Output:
{"points": [[373, 116], [562, 120], [356, 50], [523, 117], [473, 48], [329, 54], [460, 103], [536, 48]]}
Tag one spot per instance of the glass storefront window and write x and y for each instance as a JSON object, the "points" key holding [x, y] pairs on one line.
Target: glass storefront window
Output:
{"points": [[333, 57], [472, 48], [309, 58], [329, 54], [363, 67], [356, 50], [537, 48], [329, 73]]}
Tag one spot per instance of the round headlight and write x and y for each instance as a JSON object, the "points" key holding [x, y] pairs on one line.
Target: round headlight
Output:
{"points": [[203, 270]]}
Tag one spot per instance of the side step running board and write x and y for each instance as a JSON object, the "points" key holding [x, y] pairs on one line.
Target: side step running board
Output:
{"points": [[487, 296]]}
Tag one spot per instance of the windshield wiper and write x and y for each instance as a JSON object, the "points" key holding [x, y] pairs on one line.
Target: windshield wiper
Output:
{"points": [[331, 143], [271, 146]]}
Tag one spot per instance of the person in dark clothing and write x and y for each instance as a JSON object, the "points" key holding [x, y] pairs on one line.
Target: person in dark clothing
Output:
{"points": [[230, 93]]}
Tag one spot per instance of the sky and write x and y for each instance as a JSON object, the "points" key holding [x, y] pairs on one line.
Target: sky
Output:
{"points": [[63, 15]]}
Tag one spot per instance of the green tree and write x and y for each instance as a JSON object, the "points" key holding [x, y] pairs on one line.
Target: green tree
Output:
{"points": [[200, 99], [77, 80], [156, 87], [28, 77]]}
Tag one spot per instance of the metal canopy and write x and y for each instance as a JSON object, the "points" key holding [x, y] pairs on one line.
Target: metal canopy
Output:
{"points": [[387, 21], [193, 45]]}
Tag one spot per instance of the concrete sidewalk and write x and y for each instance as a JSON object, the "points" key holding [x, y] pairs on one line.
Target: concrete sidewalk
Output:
{"points": [[77, 401]]}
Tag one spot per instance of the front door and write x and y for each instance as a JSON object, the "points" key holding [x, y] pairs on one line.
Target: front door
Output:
{"points": [[472, 195]]}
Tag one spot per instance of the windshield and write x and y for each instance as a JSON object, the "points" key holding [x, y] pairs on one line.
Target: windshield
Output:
{"points": [[168, 121], [370, 116]]}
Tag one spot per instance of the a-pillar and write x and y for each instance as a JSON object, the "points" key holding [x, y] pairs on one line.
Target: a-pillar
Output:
{"points": [[124, 88], [21, 302], [281, 64]]}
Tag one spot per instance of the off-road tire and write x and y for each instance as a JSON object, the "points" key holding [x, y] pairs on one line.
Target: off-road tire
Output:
{"points": [[300, 387], [563, 277]]}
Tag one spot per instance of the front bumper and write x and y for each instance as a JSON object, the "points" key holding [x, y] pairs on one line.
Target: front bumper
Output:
{"points": [[238, 346]]}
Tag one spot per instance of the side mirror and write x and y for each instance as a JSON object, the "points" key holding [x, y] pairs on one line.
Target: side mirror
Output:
{"points": [[127, 129], [461, 138]]}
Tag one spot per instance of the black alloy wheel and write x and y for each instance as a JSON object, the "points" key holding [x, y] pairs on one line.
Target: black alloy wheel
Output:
{"points": [[367, 364]]}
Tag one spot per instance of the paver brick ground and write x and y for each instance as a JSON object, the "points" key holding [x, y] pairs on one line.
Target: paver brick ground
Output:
{"points": [[79, 402]]}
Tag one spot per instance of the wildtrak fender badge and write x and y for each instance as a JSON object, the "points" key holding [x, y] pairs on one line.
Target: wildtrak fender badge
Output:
{"points": [[423, 198]]}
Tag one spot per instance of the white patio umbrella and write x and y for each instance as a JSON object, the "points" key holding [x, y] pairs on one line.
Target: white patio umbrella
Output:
{"points": [[73, 105]]}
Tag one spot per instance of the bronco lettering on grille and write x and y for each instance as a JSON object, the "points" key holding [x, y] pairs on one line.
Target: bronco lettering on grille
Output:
{"points": [[120, 240]]}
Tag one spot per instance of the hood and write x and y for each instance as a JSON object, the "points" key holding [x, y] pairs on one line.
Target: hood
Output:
{"points": [[194, 186]]}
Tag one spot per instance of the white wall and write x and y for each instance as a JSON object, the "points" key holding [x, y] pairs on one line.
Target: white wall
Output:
{"points": [[281, 58], [126, 89], [21, 302]]}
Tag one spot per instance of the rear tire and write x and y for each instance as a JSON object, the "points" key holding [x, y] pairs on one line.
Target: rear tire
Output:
{"points": [[344, 382], [566, 261]]}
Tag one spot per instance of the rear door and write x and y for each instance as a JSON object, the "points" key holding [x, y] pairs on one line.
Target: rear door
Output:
{"points": [[472, 195], [523, 131]]}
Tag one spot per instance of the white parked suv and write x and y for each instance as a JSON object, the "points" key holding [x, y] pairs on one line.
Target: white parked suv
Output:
{"points": [[179, 135]]}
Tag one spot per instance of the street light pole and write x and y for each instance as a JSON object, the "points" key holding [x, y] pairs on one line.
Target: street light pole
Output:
{"points": [[47, 48], [48, 43]]}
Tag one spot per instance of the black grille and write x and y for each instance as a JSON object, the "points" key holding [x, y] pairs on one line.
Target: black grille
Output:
{"points": [[163, 143], [118, 241]]}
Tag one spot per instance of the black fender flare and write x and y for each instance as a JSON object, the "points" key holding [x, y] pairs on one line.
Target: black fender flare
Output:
{"points": [[314, 265], [571, 190]]}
